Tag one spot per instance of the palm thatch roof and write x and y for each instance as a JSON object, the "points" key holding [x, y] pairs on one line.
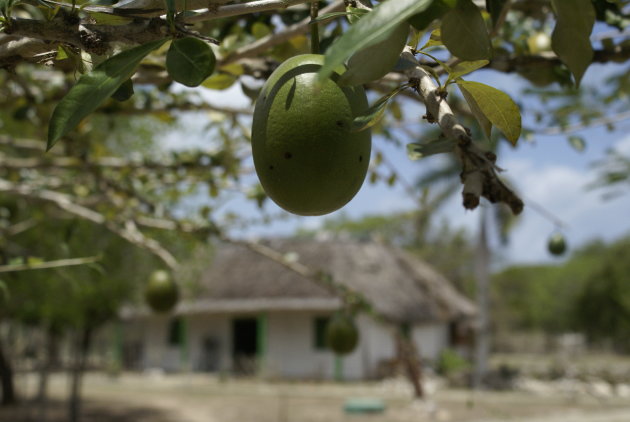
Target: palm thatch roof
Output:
{"points": [[401, 287]]}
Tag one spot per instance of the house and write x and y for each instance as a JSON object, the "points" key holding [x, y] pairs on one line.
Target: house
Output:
{"points": [[250, 313]]}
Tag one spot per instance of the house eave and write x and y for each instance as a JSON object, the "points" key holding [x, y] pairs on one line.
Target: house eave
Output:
{"points": [[241, 306]]}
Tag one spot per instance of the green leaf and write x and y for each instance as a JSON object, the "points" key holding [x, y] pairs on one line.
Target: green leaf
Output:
{"points": [[375, 112], [94, 88], [61, 52], [355, 14], [571, 35], [437, 9], [124, 91], [219, 81], [577, 142], [416, 151], [464, 68], [464, 32], [484, 123], [494, 7], [435, 39], [377, 60], [382, 19], [190, 61], [235, 69], [260, 30], [350, 11], [496, 106]]}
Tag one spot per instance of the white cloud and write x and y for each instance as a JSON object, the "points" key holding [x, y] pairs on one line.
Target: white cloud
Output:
{"points": [[560, 190], [623, 146]]}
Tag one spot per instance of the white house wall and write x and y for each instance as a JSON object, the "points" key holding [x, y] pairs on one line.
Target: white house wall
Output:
{"points": [[290, 353], [290, 349], [431, 339]]}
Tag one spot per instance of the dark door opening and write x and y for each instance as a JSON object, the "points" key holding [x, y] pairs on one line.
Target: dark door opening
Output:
{"points": [[244, 345]]}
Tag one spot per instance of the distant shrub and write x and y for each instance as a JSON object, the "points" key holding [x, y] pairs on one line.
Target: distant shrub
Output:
{"points": [[450, 362]]}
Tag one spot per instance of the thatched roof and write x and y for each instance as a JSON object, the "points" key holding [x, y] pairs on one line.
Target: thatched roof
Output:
{"points": [[401, 287]]}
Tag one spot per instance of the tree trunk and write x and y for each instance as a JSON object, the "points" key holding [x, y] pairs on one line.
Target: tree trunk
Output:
{"points": [[482, 340], [409, 356], [6, 376], [82, 348], [44, 373]]}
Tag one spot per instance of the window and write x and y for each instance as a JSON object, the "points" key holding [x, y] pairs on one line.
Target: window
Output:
{"points": [[319, 333]]}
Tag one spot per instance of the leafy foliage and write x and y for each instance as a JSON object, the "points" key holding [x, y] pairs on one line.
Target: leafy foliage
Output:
{"points": [[588, 293]]}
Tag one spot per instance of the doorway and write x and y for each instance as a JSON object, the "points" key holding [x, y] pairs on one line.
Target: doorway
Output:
{"points": [[244, 345]]}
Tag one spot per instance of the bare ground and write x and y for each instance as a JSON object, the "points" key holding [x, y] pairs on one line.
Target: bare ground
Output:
{"points": [[198, 398]]}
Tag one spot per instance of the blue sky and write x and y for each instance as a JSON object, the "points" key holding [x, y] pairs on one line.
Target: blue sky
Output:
{"points": [[548, 173]]}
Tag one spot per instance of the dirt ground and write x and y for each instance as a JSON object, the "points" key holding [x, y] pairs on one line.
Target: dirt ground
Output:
{"points": [[202, 398]]}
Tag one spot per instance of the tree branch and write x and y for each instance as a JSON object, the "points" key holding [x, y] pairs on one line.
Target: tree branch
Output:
{"points": [[271, 40], [129, 231], [479, 172], [229, 10], [49, 264]]}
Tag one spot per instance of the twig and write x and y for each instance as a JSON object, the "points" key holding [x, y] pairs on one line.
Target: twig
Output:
{"points": [[501, 19], [271, 40], [49, 264], [314, 29]]}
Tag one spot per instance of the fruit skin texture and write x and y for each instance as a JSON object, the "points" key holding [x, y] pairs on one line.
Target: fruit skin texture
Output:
{"points": [[161, 292], [556, 244], [307, 159], [342, 335]]}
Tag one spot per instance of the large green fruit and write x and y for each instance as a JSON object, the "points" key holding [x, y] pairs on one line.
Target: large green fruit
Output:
{"points": [[557, 245], [307, 158], [161, 292], [342, 335]]}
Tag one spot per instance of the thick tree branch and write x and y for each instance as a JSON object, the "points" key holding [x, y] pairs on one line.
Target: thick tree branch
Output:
{"points": [[479, 172], [205, 9], [128, 231], [88, 37]]}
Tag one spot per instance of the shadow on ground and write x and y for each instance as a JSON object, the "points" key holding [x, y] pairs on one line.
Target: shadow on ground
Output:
{"points": [[57, 411]]}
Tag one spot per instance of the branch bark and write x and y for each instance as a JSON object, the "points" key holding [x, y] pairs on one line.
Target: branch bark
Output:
{"points": [[479, 172]]}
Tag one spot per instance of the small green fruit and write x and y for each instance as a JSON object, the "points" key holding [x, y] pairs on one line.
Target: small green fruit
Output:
{"points": [[161, 292], [342, 335], [308, 160], [556, 244]]}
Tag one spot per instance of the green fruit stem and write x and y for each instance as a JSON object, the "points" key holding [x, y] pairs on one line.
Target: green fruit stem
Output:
{"points": [[314, 29]]}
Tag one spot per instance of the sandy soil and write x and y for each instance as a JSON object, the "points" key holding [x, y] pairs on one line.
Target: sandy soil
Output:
{"points": [[199, 398]]}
